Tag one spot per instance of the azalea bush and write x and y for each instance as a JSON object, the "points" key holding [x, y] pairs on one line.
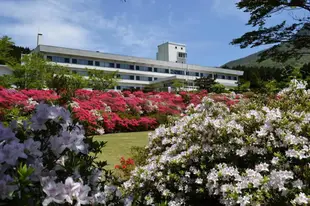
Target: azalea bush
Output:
{"points": [[106, 112], [251, 153], [124, 168], [46, 160]]}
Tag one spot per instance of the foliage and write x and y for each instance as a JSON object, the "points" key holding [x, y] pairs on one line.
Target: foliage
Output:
{"points": [[124, 168], [7, 81], [249, 94], [32, 73], [177, 84], [218, 88], [254, 153], [245, 86], [6, 45], [9, 53], [45, 160], [259, 78], [139, 154], [65, 82], [101, 80], [271, 87], [295, 36], [205, 83]]}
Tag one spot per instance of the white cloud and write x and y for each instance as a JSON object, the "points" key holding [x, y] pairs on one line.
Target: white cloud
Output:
{"points": [[76, 24]]}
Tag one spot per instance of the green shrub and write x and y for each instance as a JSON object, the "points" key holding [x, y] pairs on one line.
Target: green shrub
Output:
{"points": [[139, 155], [248, 94], [218, 88], [161, 118]]}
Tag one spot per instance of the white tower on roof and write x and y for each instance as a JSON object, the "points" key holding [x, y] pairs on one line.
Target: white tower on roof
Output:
{"points": [[172, 52]]}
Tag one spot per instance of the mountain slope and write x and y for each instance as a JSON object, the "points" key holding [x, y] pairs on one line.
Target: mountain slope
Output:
{"points": [[251, 61]]}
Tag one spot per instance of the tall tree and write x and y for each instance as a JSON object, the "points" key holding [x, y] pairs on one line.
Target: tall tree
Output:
{"points": [[9, 53], [205, 83], [291, 39], [32, 73], [6, 44]]}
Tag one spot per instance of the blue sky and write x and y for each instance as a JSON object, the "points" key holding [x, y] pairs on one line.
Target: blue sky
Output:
{"points": [[134, 28]]}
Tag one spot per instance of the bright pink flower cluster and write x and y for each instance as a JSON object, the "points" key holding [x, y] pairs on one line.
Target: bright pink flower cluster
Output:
{"points": [[112, 111], [13, 98]]}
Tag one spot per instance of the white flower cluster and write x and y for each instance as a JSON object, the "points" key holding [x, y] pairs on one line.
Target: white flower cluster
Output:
{"points": [[97, 114], [47, 143], [252, 154]]}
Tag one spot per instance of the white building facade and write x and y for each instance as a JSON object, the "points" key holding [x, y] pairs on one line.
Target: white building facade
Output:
{"points": [[5, 70], [136, 72]]}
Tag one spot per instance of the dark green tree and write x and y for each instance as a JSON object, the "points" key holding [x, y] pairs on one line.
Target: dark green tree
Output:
{"points": [[205, 83], [292, 39], [6, 45], [9, 53]]}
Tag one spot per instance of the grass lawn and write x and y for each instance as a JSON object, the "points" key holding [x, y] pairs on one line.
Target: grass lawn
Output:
{"points": [[119, 145]]}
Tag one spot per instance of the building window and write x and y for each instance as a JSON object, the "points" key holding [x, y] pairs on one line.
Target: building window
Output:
{"points": [[67, 60], [229, 77], [124, 66], [187, 73], [118, 87], [111, 65], [74, 61], [97, 63], [137, 77], [49, 58], [144, 68], [173, 71], [197, 74], [90, 63], [82, 61], [132, 67], [176, 47], [150, 79], [182, 55], [58, 59], [132, 77], [181, 48], [161, 70], [155, 78], [235, 78]]}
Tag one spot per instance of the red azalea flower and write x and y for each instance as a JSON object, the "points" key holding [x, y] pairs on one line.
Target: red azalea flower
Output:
{"points": [[117, 167]]}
